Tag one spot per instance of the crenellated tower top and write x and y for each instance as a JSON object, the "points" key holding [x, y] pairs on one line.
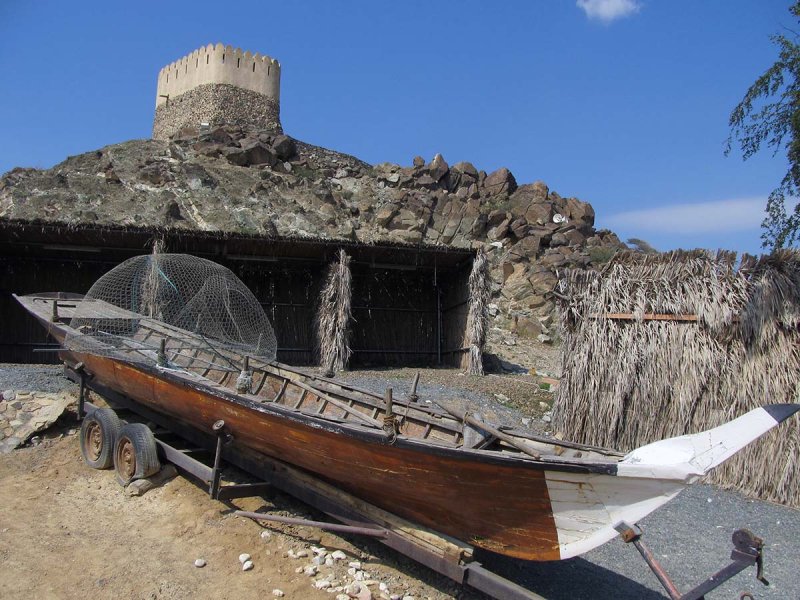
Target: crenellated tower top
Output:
{"points": [[218, 84]]}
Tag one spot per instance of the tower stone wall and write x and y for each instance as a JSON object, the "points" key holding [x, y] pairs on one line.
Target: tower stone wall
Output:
{"points": [[218, 84]]}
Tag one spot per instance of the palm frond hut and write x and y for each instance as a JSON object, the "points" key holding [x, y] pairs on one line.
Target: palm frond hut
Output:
{"points": [[663, 345]]}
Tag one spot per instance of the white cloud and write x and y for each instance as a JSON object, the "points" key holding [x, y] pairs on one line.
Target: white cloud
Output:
{"points": [[609, 10], [722, 216]]}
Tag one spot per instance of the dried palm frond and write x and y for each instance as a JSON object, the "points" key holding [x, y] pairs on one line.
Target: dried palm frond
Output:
{"points": [[477, 318], [333, 316]]}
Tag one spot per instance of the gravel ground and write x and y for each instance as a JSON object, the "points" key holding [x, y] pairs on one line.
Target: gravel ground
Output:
{"points": [[690, 535], [39, 378], [513, 400]]}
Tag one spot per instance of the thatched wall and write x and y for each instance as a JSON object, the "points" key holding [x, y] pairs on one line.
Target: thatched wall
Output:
{"points": [[633, 375]]}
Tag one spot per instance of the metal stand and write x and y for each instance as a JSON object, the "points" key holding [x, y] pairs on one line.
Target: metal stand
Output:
{"points": [[82, 393], [747, 551]]}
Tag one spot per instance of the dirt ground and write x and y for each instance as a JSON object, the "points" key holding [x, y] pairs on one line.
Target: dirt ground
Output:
{"points": [[67, 531]]}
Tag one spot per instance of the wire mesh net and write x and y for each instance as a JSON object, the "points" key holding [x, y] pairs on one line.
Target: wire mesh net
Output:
{"points": [[183, 303]]}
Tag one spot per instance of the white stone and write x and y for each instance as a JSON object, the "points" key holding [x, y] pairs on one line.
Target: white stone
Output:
{"points": [[301, 553], [322, 584], [278, 593], [353, 589], [352, 570], [247, 565], [328, 561], [199, 563], [354, 564], [395, 597], [383, 587], [311, 570], [360, 576], [338, 555], [318, 560], [265, 535], [342, 597], [243, 558], [408, 598], [299, 569]]}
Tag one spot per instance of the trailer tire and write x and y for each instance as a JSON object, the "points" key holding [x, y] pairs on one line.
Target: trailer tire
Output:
{"points": [[135, 453], [99, 431]]}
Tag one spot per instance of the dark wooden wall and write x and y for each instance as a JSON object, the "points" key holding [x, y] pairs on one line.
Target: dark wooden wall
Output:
{"points": [[396, 309]]}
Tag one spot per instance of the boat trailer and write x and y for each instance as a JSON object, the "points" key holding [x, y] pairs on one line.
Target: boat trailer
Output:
{"points": [[443, 554]]}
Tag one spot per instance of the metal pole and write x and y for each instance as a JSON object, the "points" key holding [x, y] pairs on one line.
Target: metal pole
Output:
{"points": [[216, 472], [633, 534], [369, 531], [82, 396]]}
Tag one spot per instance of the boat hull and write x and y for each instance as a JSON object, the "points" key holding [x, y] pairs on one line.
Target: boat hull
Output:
{"points": [[502, 508]]}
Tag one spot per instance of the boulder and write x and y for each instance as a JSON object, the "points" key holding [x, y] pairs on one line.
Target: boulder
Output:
{"points": [[519, 227], [220, 136], [438, 168], [527, 327], [579, 211], [284, 147], [527, 195], [525, 249], [500, 181], [466, 168], [426, 181], [574, 237], [540, 213], [385, 214], [496, 217]]}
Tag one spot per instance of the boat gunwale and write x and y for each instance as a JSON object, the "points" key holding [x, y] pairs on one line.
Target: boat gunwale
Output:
{"points": [[354, 430]]}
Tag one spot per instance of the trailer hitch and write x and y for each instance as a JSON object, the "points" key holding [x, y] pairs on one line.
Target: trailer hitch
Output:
{"points": [[747, 551]]}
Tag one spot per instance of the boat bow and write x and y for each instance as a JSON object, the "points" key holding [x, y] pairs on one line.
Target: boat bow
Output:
{"points": [[586, 508]]}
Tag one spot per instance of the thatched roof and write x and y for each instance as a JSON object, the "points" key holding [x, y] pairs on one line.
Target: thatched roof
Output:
{"points": [[662, 345]]}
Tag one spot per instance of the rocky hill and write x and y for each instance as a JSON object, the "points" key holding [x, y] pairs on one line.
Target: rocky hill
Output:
{"points": [[244, 180]]}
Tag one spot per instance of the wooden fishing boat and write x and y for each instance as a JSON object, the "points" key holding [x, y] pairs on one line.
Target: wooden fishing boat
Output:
{"points": [[497, 488]]}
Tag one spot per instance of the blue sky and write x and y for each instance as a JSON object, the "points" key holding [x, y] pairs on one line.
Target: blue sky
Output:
{"points": [[621, 103]]}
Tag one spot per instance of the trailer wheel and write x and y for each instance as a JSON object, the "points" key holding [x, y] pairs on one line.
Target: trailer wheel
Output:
{"points": [[135, 453], [99, 431]]}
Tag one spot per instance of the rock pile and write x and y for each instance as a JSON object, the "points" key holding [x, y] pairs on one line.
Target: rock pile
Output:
{"points": [[237, 179]]}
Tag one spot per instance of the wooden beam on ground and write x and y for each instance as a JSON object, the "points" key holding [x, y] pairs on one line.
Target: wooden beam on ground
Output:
{"points": [[645, 317]]}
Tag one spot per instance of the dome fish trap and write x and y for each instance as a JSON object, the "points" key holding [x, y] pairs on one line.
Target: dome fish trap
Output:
{"points": [[157, 308]]}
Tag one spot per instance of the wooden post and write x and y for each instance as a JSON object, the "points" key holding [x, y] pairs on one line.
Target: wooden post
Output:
{"points": [[161, 359], [387, 397], [413, 393]]}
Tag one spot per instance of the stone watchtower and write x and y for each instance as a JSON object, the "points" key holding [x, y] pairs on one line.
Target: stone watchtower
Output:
{"points": [[218, 84]]}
